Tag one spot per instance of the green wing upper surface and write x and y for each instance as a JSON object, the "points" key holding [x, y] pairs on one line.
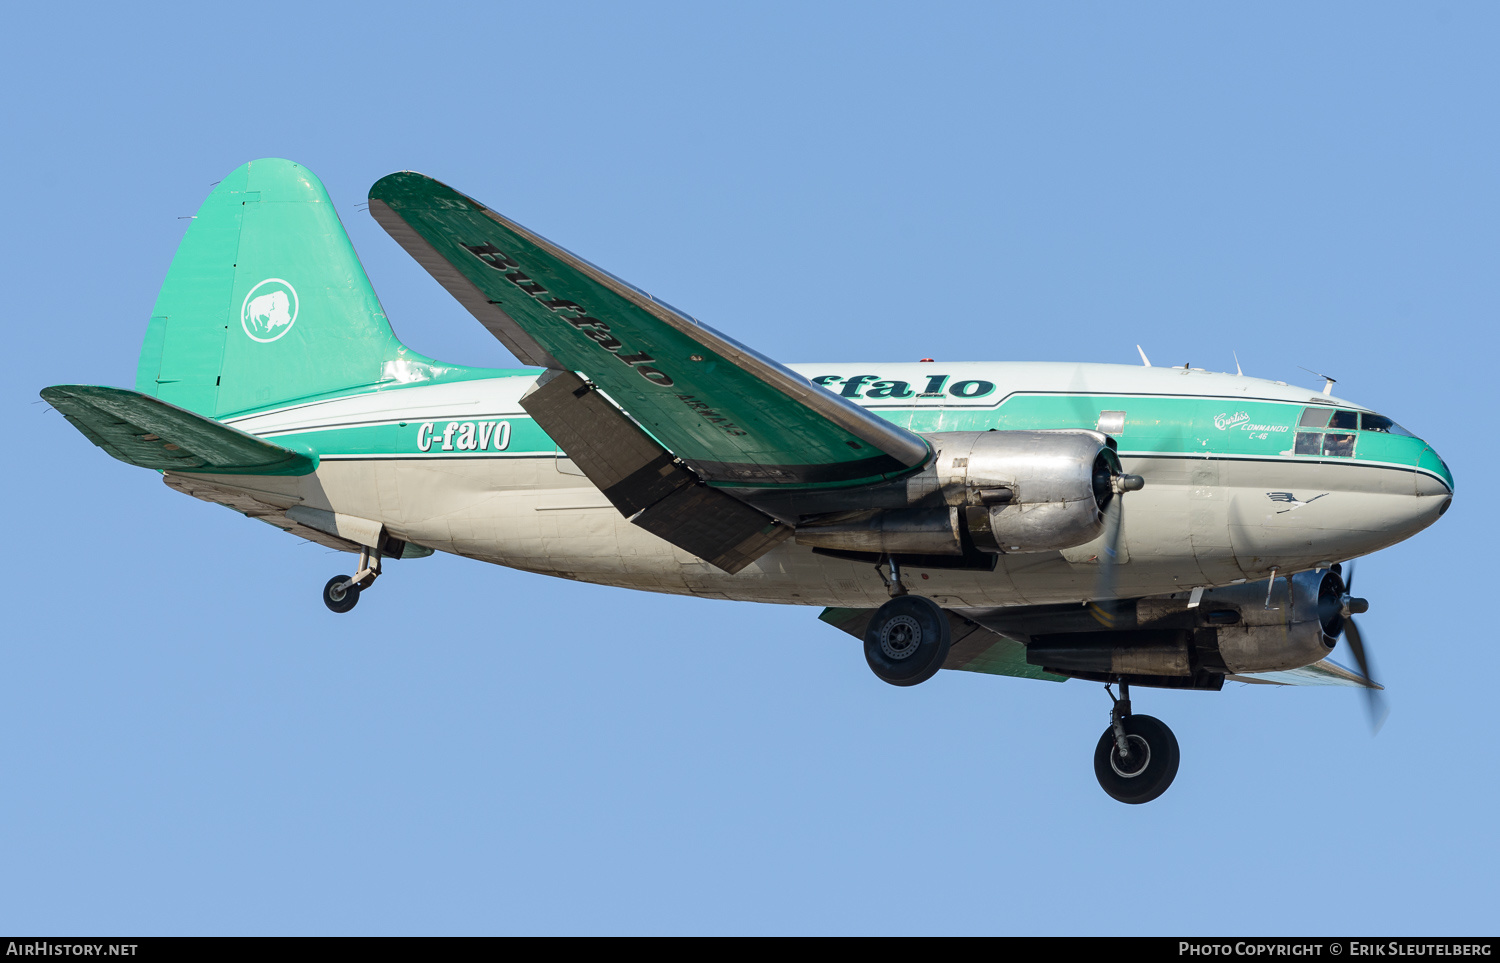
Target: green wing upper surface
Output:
{"points": [[737, 417], [150, 433]]}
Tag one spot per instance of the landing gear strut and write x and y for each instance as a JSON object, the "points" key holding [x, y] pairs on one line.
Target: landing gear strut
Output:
{"points": [[1136, 759], [342, 591]]}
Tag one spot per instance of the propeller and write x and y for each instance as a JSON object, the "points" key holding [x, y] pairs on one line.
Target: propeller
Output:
{"points": [[1345, 605], [1103, 606], [1110, 486]]}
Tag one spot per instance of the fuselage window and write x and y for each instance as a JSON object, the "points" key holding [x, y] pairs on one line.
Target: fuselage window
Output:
{"points": [[1314, 418], [1309, 443], [1347, 420], [1339, 445]]}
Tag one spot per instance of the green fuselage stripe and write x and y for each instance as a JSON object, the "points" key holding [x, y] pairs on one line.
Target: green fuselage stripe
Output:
{"points": [[1154, 425]]}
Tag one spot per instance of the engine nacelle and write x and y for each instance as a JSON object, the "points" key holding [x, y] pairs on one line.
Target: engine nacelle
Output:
{"points": [[1294, 631], [1027, 491], [999, 491], [1231, 630], [905, 531]]}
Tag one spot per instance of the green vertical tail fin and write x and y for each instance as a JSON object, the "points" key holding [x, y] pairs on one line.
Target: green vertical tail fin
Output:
{"points": [[266, 302]]}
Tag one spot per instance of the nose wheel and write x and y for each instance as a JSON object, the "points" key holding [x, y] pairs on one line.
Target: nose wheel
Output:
{"points": [[342, 591], [1136, 759]]}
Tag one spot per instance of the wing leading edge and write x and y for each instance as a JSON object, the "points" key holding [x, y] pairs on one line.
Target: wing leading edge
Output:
{"points": [[734, 416]]}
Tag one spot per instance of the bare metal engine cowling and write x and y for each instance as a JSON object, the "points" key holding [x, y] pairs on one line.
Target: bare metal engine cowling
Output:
{"points": [[1008, 491], [1232, 630], [1292, 632], [1027, 491]]}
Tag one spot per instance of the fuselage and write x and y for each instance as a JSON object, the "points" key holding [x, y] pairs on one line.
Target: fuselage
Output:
{"points": [[1242, 477]]}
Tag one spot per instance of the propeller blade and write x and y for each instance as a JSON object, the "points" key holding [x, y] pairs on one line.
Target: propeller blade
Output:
{"points": [[1110, 554], [1103, 606], [1349, 581], [1374, 700]]}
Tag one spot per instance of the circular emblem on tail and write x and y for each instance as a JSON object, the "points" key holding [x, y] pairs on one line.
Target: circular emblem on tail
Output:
{"points": [[270, 310]]}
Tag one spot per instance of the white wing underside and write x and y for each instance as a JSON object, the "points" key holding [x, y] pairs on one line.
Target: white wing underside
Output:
{"points": [[1319, 673]]}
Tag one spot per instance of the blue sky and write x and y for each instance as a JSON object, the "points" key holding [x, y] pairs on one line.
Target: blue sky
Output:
{"points": [[190, 743]]}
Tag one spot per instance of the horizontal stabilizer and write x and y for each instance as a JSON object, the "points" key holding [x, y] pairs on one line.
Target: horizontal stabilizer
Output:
{"points": [[150, 433]]}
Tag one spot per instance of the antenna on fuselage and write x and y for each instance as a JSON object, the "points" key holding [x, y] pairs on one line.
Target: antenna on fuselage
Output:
{"points": [[1144, 360], [1328, 382], [1237, 364]]}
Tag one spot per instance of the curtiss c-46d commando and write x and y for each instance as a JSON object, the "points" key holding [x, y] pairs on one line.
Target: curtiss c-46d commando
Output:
{"points": [[1133, 526]]}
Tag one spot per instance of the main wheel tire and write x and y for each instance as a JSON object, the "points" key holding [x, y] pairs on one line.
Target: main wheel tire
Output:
{"points": [[1136, 779], [340, 600], [907, 640]]}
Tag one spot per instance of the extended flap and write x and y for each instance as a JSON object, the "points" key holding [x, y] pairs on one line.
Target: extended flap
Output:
{"points": [[643, 480]]}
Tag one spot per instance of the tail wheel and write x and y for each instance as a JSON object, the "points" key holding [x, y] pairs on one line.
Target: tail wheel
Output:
{"points": [[337, 598]]}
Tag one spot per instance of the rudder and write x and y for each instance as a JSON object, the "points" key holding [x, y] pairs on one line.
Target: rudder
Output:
{"points": [[266, 302]]}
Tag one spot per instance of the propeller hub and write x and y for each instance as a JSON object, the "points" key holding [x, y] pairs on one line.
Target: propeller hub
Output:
{"points": [[1353, 606], [1123, 483]]}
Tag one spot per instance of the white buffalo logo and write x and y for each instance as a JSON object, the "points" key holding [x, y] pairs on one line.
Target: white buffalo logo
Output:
{"points": [[269, 310]]}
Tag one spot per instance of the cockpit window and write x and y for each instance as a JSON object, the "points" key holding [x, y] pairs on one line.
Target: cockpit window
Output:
{"points": [[1342, 419], [1374, 422], [1338, 445], [1333, 444], [1342, 423]]}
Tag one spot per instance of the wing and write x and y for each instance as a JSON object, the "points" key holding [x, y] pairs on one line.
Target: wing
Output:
{"points": [[734, 416], [974, 648], [1319, 673], [150, 433]]}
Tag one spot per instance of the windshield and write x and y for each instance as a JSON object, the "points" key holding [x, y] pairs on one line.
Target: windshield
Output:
{"points": [[1346, 419]]}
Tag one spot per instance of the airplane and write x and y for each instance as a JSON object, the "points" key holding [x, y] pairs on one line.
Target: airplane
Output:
{"points": [[1128, 525]]}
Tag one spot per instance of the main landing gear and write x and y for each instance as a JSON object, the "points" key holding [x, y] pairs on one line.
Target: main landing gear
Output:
{"points": [[342, 591], [907, 640], [1136, 759]]}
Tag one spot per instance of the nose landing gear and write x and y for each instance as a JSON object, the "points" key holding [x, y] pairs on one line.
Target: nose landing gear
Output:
{"points": [[1136, 759], [342, 591]]}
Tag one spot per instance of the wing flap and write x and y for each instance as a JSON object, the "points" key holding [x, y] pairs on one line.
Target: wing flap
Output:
{"points": [[643, 480], [713, 526], [623, 462], [737, 417], [150, 433]]}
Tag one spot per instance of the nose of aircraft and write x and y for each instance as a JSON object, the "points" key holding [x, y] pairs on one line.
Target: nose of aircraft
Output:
{"points": [[1434, 487]]}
